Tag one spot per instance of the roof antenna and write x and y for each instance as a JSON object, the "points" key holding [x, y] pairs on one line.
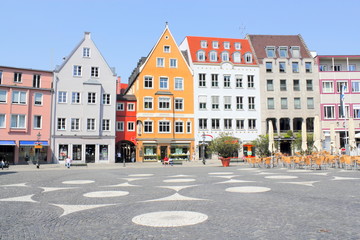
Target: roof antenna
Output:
{"points": [[166, 24], [242, 29]]}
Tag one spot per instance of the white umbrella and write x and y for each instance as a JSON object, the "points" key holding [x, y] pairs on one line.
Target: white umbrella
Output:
{"points": [[317, 134], [351, 130], [271, 138], [332, 139], [303, 136]]}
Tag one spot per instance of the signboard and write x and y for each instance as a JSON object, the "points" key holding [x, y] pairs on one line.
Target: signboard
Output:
{"points": [[38, 146]]}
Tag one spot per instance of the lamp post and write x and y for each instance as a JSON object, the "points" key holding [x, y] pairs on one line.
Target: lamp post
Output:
{"points": [[38, 145], [203, 149]]}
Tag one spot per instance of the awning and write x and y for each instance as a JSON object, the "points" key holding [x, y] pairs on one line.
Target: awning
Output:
{"points": [[7, 142], [33, 143]]}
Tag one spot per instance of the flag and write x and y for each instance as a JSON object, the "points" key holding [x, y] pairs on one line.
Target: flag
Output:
{"points": [[342, 100]]}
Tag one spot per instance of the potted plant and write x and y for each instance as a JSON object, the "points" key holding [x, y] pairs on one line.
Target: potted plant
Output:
{"points": [[224, 145]]}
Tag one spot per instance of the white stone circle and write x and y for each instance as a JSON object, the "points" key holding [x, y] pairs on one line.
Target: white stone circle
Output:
{"points": [[178, 180], [221, 173], [248, 189], [281, 177], [141, 175], [106, 194], [170, 219], [78, 182]]}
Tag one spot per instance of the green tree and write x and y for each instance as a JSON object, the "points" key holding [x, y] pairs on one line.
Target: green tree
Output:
{"points": [[262, 146], [224, 145]]}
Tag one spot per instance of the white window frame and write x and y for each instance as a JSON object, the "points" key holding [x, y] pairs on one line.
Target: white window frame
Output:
{"points": [[178, 83], [200, 55], [75, 97], [75, 124], [120, 107], [227, 103], [248, 57], [227, 81], [105, 125], [251, 81], [3, 96], [251, 101], [203, 124], [164, 83], [270, 103], [203, 44], [237, 46], [188, 127], [19, 97], [355, 86], [131, 107], [167, 49], [77, 70], [91, 124], [332, 108], [36, 80], [295, 51], [20, 119], [148, 103], [17, 77], [214, 80], [38, 96], [252, 124], [225, 57], [226, 45], [148, 80], [120, 126], [164, 124], [270, 49], [148, 124], [179, 124], [215, 44], [297, 103], [215, 102], [86, 52], [130, 126], [237, 57], [178, 101], [215, 124], [239, 103], [213, 56], [106, 98], [228, 124], [160, 62], [281, 49], [95, 72], [173, 63], [202, 79], [62, 97], [37, 121], [240, 124], [91, 98], [61, 124], [327, 89], [164, 101], [2, 120]]}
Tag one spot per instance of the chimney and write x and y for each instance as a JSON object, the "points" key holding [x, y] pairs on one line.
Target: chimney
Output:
{"points": [[87, 35]]}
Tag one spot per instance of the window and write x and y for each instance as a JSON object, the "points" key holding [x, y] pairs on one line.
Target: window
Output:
{"points": [[202, 102], [1, 73], [283, 52], [36, 80], [225, 56], [240, 124], [295, 51], [248, 57], [202, 123], [296, 83], [164, 83], [237, 57], [237, 45], [309, 85], [179, 127], [62, 97], [297, 103], [77, 71], [215, 44], [270, 52], [75, 124], [75, 97], [269, 85], [164, 103], [226, 81], [2, 120], [19, 97], [173, 63], [201, 56], [120, 126], [106, 99], [213, 56], [310, 103], [38, 99], [215, 124], [252, 124], [3, 96], [328, 87], [227, 102], [17, 77], [251, 103], [339, 84], [37, 122], [203, 44], [164, 126], [239, 82], [356, 112], [344, 111], [179, 83], [148, 82], [160, 62], [77, 152], [202, 80], [268, 67], [86, 52], [295, 67], [284, 103], [148, 126], [166, 49], [308, 67], [148, 103], [226, 45], [188, 127], [120, 107], [130, 126], [250, 79], [90, 124], [91, 97], [270, 103], [61, 124], [352, 67], [95, 71], [355, 86], [106, 124], [329, 112], [227, 124], [283, 85], [17, 121], [323, 68], [131, 107], [336, 68], [214, 80], [215, 102], [179, 104], [282, 67], [239, 103]]}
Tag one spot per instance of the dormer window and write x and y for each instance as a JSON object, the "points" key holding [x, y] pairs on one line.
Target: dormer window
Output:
{"points": [[166, 49], [215, 44], [225, 56], [237, 45], [226, 45], [237, 57], [248, 57], [295, 52], [201, 55], [283, 52], [213, 56], [86, 52], [203, 44], [270, 52]]}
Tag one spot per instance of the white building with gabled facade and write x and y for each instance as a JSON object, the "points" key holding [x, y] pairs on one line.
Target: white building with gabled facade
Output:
{"points": [[84, 100]]}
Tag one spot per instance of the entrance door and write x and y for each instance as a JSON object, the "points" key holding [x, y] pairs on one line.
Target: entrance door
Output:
{"points": [[163, 152], [90, 153], [7, 153]]}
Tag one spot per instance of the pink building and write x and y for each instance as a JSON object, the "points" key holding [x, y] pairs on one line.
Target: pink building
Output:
{"points": [[25, 115]]}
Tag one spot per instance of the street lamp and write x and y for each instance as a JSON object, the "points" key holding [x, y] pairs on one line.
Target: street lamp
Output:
{"points": [[38, 149]]}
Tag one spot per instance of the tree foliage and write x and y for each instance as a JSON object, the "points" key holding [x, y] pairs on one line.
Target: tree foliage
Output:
{"points": [[262, 146], [224, 145]]}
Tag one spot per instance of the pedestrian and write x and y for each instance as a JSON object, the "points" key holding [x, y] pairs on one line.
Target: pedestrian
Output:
{"points": [[133, 156], [188, 156], [2, 163], [118, 157], [68, 162]]}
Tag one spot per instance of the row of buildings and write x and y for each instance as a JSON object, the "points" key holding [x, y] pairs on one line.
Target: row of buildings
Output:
{"points": [[177, 99]]}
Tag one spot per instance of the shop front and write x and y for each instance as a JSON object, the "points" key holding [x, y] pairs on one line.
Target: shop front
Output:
{"points": [[7, 151], [33, 152], [152, 151], [84, 153]]}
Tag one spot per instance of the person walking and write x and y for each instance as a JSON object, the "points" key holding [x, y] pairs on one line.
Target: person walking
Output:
{"points": [[118, 156], [133, 156], [68, 162], [2, 163]]}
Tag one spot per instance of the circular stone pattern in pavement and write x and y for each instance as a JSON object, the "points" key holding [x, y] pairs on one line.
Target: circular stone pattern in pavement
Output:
{"points": [[178, 180], [248, 189], [78, 182], [105, 194], [221, 173], [170, 219], [281, 177]]}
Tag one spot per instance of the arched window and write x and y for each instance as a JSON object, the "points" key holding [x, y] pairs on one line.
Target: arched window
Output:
{"points": [[201, 55], [213, 56], [237, 57], [248, 57], [225, 56]]}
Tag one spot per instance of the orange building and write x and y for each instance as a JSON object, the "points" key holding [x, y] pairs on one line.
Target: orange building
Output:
{"points": [[163, 86]]}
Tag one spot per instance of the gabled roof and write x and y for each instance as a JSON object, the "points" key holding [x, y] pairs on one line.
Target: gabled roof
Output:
{"points": [[195, 46]]}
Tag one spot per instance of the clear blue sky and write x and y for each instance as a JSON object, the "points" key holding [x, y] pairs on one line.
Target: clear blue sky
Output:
{"points": [[39, 33]]}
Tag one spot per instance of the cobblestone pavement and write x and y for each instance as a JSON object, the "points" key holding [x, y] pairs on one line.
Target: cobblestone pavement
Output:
{"points": [[178, 202]]}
